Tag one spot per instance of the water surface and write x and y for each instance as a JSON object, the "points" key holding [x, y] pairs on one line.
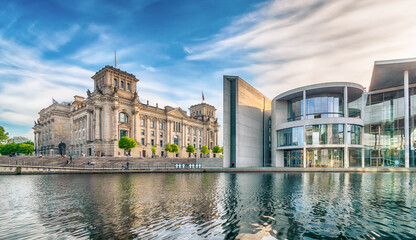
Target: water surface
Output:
{"points": [[209, 206]]}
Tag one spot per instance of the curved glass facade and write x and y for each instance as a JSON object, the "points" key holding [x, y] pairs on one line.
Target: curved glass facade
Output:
{"points": [[325, 134], [354, 134], [293, 158], [325, 157], [295, 110], [355, 157], [324, 106], [290, 137]]}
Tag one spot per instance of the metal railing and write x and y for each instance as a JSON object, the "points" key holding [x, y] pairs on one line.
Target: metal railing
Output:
{"points": [[96, 166]]}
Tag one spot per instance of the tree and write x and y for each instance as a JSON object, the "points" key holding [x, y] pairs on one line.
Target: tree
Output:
{"points": [[174, 148], [154, 150], [29, 142], [190, 149], [16, 148], [205, 149], [127, 143], [3, 135], [167, 148], [216, 149]]}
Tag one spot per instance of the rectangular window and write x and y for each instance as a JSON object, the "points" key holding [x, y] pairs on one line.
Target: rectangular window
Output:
{"points": [[200, 139], [152, 142], [122, 84], [115, 82], [194, 132], [123, 133], [161, 134], [152, 124], [143, 132], [142, 141], [152, 133], [161, 143], [160, 125], [142, 122], [325, 134], [128, 86], [290, 137]]}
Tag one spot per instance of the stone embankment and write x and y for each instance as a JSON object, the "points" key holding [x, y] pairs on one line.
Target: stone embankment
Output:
{"points": [[57, 164]]}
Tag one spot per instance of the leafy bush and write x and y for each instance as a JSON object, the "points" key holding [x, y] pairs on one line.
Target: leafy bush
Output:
{"points": [[127, 143]]}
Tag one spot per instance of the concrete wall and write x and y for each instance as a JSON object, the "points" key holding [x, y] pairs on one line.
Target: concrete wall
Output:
{"points": [[251, 115], [210, 162]]}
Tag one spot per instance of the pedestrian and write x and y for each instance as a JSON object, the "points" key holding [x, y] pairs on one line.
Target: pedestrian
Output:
{"points": [[70, 158], [127, 165], [232, 164]]}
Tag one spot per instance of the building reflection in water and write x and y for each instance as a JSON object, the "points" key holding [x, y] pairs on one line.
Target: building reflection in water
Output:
{"points": [[211, 206]]}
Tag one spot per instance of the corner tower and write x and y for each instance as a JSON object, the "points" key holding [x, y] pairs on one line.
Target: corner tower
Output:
{"points": [[110, 79]]}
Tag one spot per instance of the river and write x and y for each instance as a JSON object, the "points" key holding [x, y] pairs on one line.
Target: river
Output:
{"points": [[209, 206]]}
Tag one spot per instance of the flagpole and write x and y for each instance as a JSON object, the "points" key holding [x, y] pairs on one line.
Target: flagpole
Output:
{"points": [[115, 58]]}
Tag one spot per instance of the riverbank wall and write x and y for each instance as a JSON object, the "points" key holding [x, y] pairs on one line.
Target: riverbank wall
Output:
{"points": [[17, 170]]}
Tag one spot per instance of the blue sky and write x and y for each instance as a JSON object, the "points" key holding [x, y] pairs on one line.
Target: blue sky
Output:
{"points": [[179, 48]]}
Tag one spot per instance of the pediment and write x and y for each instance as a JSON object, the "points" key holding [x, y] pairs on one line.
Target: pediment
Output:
{"points": [[178, 112]]}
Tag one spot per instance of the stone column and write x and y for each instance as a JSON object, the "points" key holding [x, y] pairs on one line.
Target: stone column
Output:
{"points": [[346, 102], [346, 150], [133, 125], [97, 124], [87, 127], [304, 117], [156, 137], [147, 131], [168, 131], [406, 120], [115, 121], [362, 158]]}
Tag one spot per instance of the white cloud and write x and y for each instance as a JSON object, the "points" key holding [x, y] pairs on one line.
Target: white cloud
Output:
{"points": [[27, 83], [148, 68], [55, 40], [291, 43]]}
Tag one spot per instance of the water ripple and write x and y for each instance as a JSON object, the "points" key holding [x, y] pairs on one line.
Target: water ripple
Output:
{"points": [[209, 206]]}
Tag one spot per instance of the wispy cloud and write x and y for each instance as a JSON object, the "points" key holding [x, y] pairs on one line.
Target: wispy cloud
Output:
{"points": [[52, 41], [28, 81], [297, 42]]}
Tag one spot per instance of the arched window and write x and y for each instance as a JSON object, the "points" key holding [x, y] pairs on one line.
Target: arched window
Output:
{"points": [[122, 84], [124, 118], [128, 86], [175, 140], [115, 82]]}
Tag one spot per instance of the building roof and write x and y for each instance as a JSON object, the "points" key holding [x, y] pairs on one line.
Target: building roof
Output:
{"points": [[390, 73], [328, 87]]}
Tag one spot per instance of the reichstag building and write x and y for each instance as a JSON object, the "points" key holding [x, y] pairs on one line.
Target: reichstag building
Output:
{"points": [[92, 126]]}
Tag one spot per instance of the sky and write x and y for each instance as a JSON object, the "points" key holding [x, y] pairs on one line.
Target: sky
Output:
{"points": [[177, 49]]}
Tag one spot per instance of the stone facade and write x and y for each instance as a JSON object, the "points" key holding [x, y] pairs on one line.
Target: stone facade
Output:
{"points": [[94, 125]]}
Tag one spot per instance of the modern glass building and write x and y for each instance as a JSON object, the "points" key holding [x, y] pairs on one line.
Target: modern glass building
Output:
{"points": [[340, 125], [318, 126]]}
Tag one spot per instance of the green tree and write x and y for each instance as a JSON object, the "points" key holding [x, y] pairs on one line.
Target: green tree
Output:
{"points": [[29, 142], [205, 149], [25, 148], [127, 143], [16, 148], [174, 148], [3, 135], [154, 150], [167, 148], [216, 149], [190, 149]]}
